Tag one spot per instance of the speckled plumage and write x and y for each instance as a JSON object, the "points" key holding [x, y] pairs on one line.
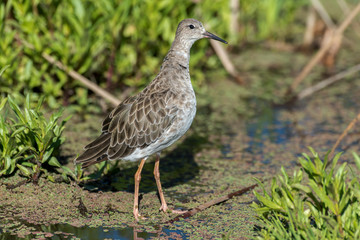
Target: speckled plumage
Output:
{"points": [[155, 118]]}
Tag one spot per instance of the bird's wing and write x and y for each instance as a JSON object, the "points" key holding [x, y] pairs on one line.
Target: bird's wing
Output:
{"points": [[135, 123]]}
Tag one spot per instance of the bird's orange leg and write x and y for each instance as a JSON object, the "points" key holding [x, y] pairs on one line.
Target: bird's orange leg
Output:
{"points": [[136, 193], [164, 206]]}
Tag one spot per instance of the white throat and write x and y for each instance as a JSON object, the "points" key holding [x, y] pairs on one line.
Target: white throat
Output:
{"points": [[182, 54]]}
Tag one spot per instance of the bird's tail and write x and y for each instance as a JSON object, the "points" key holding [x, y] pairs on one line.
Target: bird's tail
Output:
{"points": [[95, 152]]}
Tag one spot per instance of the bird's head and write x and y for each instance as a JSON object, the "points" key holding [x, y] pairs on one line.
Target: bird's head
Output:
{"points": [[190, 30]]}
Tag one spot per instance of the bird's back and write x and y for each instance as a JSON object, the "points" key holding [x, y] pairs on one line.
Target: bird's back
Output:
{"points": [[148, 122]]}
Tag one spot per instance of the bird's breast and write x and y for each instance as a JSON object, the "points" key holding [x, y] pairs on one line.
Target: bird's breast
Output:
{"points": [[186, 105]]}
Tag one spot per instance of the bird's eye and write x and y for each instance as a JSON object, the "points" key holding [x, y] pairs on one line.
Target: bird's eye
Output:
{"points": [[191, 26]]}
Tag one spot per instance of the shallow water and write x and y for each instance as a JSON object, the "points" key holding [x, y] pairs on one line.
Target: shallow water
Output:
{"points": [[268, 126], [67, 231]]}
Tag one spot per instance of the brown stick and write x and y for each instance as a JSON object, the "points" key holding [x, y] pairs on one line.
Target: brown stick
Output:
{"points": [[225, 60], [77, 76], [92, 86], [306, 70], [310, 27], [210, 203], [320, 54], [348, 19], [323, 13], [317, 87], [350, 126], [346, 10], [13, 186], [234, 17]]}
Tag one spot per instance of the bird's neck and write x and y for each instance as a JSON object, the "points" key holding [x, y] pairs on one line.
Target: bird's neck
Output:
{"points": [[179, 53], [177, 57]]}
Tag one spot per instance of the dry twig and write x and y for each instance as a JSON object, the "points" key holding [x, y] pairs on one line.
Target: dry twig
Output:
{"points": [[211, 203], [225, 60], [350, 126], [234, 18], [77, 76], [13, 186], [321, 85], [346, 10], [310, 28], [323, 13]]}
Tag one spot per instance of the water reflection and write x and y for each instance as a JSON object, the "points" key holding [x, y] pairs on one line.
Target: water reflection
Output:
{"points": [[66, 231], [268, 125]]}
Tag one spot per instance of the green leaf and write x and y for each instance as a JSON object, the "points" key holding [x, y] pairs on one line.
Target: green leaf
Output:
{"points": [[27, 102], [27, 172], [39, 104], [65, 176], [301, 187], [47, 155], [68, 171], [336, 159], [268, 202], [357, 160], [2, 70], [28, 164], [2, 103], [79, 8], [47, 140], [19, 130], [51, 178], [322, 195], [54, 162], [7, 163], [27, 72], [17, 110]]}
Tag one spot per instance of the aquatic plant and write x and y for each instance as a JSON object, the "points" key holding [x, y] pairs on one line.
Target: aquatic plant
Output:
{"points": [[324, 204], [78, 174], [28, 140]]}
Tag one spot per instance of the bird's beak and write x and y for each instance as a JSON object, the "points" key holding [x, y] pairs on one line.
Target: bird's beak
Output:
{"points": [[213, 36]]}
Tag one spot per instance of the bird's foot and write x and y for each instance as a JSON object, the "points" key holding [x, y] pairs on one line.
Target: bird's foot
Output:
{"points": [[178, 211], [138, 216], [165, 209]]}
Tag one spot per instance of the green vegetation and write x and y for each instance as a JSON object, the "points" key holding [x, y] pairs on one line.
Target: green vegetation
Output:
{"points": [[119, 44], [323, 205], [29, 141], [115, 43], [78, 174], [268, 19]]}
